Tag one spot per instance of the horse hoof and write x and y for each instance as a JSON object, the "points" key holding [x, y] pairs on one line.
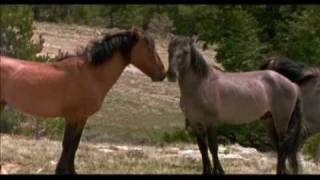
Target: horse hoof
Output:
{"points": [[281, 172], [217, 171], [206, 172], [61, 171]]}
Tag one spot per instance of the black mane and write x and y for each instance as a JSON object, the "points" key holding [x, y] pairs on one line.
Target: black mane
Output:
{"points": [[286, 67], [100, 51], [198, 63]]}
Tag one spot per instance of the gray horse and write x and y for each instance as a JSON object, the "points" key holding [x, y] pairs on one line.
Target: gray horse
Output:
{"points": [[308, 80], [210, 96]]}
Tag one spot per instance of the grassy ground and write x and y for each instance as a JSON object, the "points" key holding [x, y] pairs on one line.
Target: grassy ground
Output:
{"points": [[127, 134], [135, 110], [22, 155]]}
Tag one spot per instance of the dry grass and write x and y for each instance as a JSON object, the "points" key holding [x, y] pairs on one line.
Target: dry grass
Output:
{"points": [[21, 155], [135, 112]]}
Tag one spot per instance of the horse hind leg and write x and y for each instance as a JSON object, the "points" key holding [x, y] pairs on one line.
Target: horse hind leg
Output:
{"points": [[72, 135], [280, 128], [294, 163], [294, 160], [288, 133], [293, 137], [269, 124], [213, 146]]}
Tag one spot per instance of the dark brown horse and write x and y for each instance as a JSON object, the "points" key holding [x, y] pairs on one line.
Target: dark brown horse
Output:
{"points": [[74, 88], [210, 97], [308, 79]]}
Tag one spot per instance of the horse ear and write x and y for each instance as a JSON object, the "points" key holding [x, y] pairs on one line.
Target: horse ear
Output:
{"points": [[137, 32], [193, 39]]}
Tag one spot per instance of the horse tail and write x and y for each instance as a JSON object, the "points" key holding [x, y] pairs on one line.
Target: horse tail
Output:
{"points": [[286, 67], [290, 142]]}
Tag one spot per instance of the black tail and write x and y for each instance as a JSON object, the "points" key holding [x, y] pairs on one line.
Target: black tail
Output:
{"points": [[290, 143], [286, 67]]}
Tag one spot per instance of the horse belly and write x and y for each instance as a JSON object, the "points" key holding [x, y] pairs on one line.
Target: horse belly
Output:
{"points": [[40, 99], [239, 113], [46, 107]]}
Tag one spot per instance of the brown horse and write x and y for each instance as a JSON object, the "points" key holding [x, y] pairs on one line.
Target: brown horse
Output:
{"points": [[74, 88], [210, 97], [308, 79]]}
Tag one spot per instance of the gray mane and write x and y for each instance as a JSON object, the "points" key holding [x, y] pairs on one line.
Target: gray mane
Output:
{"points": [[198, 63]]}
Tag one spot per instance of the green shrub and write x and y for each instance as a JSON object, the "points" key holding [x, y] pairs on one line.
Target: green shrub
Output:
{"points": [[312, 147], [160, 24], [10, 121], [234, 30], [181, 135], [299, 36], [15, 122], [248, 135], [16, 32]]}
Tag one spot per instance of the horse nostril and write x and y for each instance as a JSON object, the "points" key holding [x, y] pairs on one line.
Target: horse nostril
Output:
{"points": [[171, 76]]}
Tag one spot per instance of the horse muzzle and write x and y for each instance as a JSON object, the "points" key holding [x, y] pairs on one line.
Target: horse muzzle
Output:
{"points": [[172, 76], [158, 78]]}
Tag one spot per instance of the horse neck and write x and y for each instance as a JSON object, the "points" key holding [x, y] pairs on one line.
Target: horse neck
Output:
{"points": [[109, 72], [189, 80]]}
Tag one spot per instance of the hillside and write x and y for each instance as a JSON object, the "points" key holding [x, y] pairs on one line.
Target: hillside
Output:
{"points": [[126, 134]]}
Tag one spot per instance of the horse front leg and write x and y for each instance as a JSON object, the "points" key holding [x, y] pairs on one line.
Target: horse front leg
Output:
{"points": [[294, 162], [281, 162], [201, 136], [72, 135], [213, 146]]}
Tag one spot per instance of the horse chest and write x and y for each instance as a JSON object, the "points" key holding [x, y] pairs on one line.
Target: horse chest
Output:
{"points": [[85, 106], [82, 101], [196, 110]]}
